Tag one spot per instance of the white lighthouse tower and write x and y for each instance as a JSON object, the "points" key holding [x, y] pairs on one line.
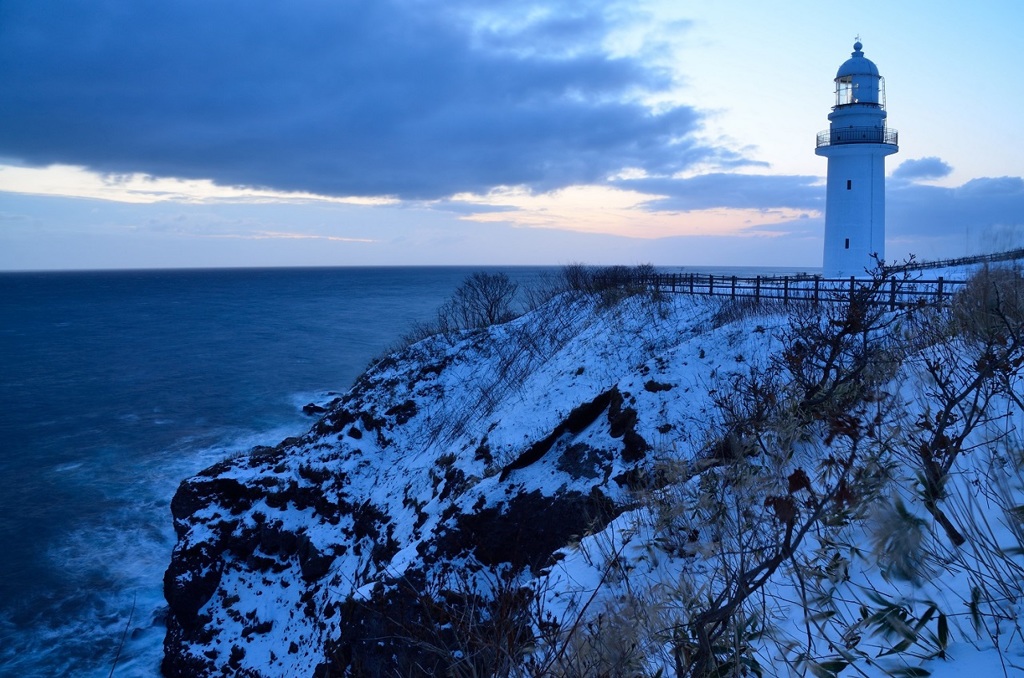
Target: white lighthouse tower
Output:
{"points": [[856, 144]]}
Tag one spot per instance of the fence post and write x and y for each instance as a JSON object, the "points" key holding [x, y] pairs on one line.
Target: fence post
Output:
{"points": [[785, 291], [711, 285], [938, 294], [757, 289], [817, 290], [892, 294], [852, 285], [733, 287]]}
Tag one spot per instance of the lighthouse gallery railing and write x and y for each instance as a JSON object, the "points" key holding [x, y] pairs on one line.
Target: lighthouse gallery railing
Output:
{"points": [[858, 135]]}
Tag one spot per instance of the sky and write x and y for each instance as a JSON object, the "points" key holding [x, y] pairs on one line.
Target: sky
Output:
{"points": [[198, 133]]}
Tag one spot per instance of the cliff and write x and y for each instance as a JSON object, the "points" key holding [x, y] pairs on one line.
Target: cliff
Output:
{"points": [[517, 498]]}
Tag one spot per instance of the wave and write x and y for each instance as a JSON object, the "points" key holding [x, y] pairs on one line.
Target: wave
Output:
{"points": [[107, 575]]}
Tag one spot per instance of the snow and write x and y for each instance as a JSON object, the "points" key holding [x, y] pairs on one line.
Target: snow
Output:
{"points": [[509, 386]]}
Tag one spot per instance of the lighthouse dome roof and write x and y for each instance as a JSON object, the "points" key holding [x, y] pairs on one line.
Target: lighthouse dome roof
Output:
{"points": [[857, 64]]}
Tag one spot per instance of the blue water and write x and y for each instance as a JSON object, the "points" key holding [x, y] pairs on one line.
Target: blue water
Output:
{"points": [[114, 386]]}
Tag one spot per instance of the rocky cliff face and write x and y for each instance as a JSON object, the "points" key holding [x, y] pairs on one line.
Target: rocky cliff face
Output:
{"points": [[646, 486], [459, 457]]}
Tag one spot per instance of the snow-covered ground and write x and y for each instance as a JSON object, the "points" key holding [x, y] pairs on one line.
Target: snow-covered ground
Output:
{"points": [[630, 466]]}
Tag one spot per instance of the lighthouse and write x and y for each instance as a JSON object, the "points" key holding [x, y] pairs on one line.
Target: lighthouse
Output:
{"points": [[856, 144]]}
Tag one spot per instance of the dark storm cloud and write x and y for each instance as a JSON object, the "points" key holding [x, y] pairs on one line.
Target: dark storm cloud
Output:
{"points": [[922, 168], [389, 97], [935, 211], [740, 191]]}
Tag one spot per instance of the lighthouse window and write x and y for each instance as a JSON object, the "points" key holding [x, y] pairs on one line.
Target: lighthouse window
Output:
{"points": [[849, 184], [847, 243], [844, 91]]}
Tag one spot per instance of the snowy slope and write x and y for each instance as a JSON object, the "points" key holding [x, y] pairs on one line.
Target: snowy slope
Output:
{"points": [[523, 460]]}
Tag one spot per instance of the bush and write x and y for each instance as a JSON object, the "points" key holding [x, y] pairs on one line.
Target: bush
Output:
{"points": [[612, 283], [991, 304], [483, 299]]}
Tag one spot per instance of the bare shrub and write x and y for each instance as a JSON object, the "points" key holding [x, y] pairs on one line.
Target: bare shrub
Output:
{"points": [[991, 304], [418, 332], [733, 310], [475, 621], [577, 277], [797, 481], [547, 286], [971, 367], [611, 643], [746, 518], [898, 541], [483, 299], [611, 283], [802, 448], [837, 354]]}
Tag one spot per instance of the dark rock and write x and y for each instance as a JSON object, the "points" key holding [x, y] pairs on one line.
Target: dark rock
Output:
{"points": [[179, 664], [403, 413], [483, 453], [314, 410], [189, 583], [623, 421], [376, 638], [313, 562], [334, 422], [580, 418], [582, 461], [199, 492], [527, 529], [258, 629]]}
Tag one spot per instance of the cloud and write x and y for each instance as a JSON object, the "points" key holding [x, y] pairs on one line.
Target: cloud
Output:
{"points": [[922, 168], [736, 191], [1010, 189], [967, 216], [616, 211], [70, 181], [84, 233], [404, 98], [278, 235]]}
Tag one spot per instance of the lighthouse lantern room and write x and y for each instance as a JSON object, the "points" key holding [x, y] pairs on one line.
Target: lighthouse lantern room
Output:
{"points": [[856, 144]]}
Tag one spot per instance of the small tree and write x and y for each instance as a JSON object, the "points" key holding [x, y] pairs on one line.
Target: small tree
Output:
{"points": [[482, 299]]}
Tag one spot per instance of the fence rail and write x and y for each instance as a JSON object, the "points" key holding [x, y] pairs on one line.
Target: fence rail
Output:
{"points": [[892, 293], [994, 257]]}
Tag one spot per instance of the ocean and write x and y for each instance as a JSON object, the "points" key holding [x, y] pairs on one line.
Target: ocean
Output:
{"points": [[116, 385]]}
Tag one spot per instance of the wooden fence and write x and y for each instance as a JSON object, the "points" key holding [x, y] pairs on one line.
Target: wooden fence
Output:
{"points": [[1009, 255], [892, 292]]}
